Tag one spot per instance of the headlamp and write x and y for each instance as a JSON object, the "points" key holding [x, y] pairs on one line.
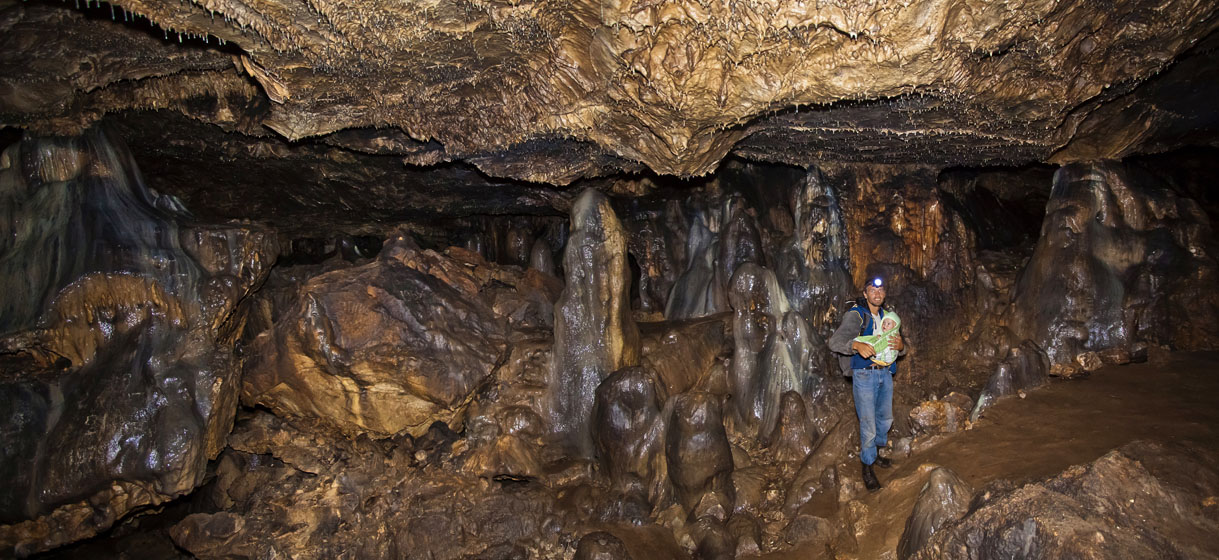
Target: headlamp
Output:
{"points": [[877, 283]]}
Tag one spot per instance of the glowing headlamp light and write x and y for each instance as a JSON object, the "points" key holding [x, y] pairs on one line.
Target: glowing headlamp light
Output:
{"points": [[877, 283]]}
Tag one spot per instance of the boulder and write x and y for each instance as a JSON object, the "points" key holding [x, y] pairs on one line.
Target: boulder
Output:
{"points": [[1142, 500], [943, 499], [600, 545], [380, 348], [938, 417]]}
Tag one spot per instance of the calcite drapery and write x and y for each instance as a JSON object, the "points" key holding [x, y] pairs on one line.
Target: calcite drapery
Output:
{"points": [[773, 348], [720, 240], [556, 90], [812, 264]]}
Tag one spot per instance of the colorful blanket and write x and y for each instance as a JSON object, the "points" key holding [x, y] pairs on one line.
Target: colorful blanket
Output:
{"points": [[884, 342]]}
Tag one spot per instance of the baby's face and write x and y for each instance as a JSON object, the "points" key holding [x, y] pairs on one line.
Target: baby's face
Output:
{"points": [[888, 324]]}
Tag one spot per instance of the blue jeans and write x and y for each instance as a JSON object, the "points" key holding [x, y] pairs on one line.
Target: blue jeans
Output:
{"points": [[873, 390]]}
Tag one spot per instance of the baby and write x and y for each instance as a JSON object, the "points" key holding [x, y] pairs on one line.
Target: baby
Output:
{"points": [[881, 342]]}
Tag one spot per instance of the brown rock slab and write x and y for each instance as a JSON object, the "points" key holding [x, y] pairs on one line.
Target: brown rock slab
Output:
{"points": [[381, 348]]}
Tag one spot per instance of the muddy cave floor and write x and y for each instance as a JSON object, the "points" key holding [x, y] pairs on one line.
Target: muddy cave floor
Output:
{"points": [[1068, 422], [1022, 440]]}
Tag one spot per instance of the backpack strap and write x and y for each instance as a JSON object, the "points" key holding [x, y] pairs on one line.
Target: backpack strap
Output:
{"points": [[865, 318]]}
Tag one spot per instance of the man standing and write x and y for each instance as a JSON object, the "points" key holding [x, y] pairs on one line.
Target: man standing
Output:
{"points": [[872, 383]]}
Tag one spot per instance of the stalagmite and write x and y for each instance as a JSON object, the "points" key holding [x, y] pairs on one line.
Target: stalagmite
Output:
{"points": [[629, 427], [812, 265], [414, 374], [773, 348], [1025, 368], [693, 294], [699, 456], [594, 332], [943, 500]]}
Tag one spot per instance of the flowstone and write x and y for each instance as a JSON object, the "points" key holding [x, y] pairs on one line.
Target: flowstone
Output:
{"points": [[119, 382], [1122, 261]]}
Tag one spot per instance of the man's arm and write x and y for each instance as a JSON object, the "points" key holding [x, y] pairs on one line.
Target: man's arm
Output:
{"points": [[841, 341]]}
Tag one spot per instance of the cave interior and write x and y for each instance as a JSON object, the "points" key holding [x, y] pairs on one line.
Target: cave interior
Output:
{"points": [[506, 279]]}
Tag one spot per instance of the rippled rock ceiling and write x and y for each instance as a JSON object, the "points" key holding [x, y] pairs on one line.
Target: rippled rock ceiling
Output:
{"points": [[556, 91], [545, 279]]}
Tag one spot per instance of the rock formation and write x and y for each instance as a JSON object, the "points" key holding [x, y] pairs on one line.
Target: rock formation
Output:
{"points": [[1025, 368], [118, 323], [555, 91], [1139, 501], [594, 332], [1110, 235], [629, 427], [943, 500], [381, 348], [368, 277]]}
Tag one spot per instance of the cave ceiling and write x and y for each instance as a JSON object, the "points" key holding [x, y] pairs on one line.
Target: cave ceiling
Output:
{"points": [[253, 108]]}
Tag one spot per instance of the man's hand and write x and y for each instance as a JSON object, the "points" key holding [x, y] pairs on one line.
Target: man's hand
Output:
{"points": [[898, 343], [864, 350]]}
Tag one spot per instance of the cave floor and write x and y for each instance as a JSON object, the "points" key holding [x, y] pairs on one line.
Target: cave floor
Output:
{"points": [[1069, 422]]}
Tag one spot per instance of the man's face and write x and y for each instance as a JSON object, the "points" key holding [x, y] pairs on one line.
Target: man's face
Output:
{"points": [[875, 295]]}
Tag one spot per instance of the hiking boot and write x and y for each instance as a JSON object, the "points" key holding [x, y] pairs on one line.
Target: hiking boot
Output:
{"points": [[882, 462], [869, 479]]}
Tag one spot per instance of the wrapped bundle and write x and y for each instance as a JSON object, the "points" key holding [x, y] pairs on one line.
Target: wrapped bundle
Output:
{"points": [[883, 343]]}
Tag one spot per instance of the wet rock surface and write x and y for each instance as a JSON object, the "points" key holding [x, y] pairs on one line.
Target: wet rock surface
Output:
{"points": [[381, 348], [614, 95], [119, 380], [943, 500], [286, 489], [447, 391], [594, 332], [699, 456], [1142, 500], [1111, 233], [1025, 368], [629, 426], [946, 415]]}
